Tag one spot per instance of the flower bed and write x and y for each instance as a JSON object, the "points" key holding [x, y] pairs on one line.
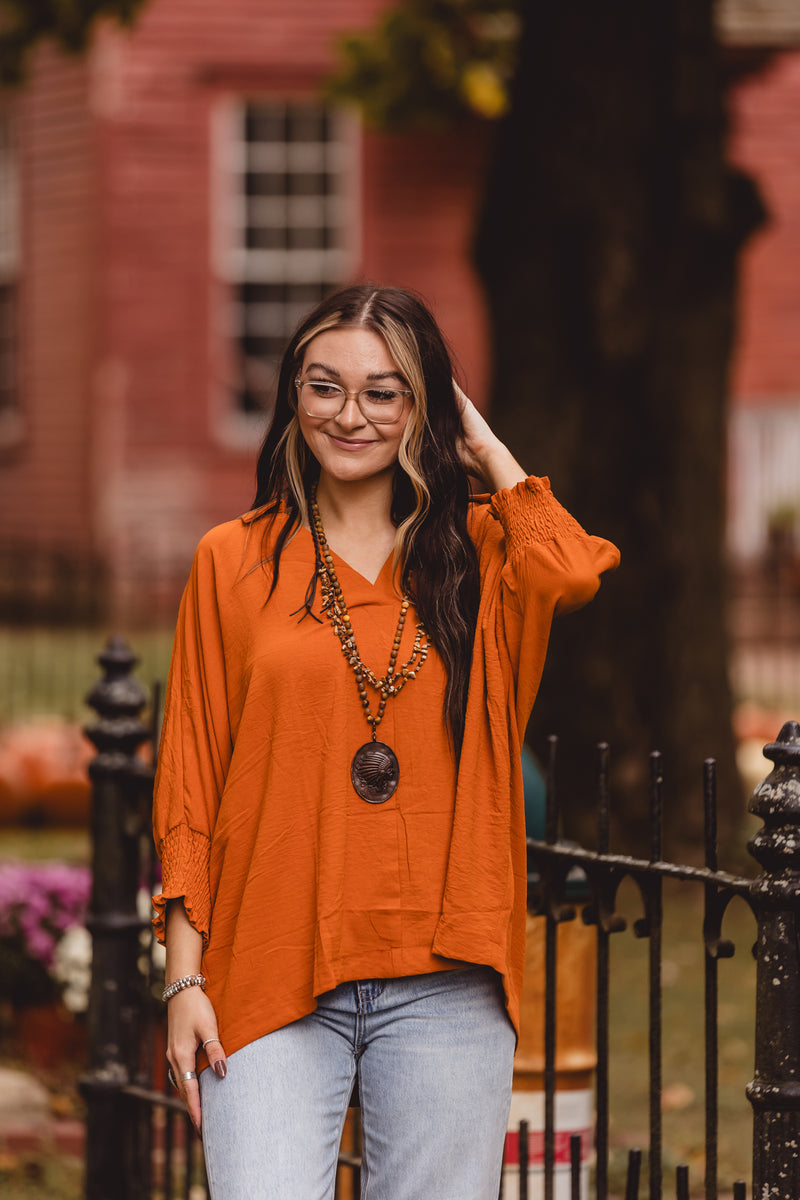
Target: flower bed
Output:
{"points": [[45, 949]]}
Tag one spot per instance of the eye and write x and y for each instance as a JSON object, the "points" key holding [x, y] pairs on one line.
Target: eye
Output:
{"points": [[325, 391], [380, 395]]}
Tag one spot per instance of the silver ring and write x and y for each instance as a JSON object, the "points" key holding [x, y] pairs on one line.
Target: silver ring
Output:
{"points": [[209, 1040], [188, 1075]]}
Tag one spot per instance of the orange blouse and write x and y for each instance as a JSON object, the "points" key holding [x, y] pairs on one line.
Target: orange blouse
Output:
{"points": [[295, 882]]}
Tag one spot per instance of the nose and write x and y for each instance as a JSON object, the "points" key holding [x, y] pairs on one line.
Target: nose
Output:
{"points": [[351, 416]]}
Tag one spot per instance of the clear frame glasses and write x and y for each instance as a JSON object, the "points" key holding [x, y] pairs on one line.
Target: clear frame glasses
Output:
{"points": [[380, 405]]}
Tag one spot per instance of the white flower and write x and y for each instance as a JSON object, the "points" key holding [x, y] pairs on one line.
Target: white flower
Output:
{"points": [[158, 955], [72, 967]]}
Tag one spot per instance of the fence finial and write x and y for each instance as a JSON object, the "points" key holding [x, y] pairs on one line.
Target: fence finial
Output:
{"points": [[113, 919], [775, 1089]]}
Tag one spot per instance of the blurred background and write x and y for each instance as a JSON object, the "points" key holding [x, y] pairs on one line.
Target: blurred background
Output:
{"points": [[180, 181], [603, 209], [178, 186]]}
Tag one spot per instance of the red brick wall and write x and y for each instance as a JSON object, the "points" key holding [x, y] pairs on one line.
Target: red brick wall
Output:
{"points": [[765, 112], [45, 480]]}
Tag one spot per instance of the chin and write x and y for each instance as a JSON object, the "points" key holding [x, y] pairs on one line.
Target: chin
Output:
{"points": [[354, 472], [354, 475], [349, 465]]}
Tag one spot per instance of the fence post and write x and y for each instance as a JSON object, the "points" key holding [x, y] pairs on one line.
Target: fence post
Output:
{"points": [[113, 920], [775, 1089]]}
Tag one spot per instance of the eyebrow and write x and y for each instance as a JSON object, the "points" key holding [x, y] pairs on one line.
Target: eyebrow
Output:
{"points": [[373, 375]]}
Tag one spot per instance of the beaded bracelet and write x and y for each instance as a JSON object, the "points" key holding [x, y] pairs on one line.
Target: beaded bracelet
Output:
{"points": [[185, 981]]}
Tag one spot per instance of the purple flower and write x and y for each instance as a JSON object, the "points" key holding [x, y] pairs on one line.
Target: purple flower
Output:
{"points": [[41, 944], [38, 902]]}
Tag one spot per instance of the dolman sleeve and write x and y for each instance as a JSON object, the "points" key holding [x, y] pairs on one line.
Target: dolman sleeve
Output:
{"points": [[195, 749], [552, 566]]}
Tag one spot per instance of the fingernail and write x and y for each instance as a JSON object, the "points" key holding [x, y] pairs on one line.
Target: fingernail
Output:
{"points": [[220, 1067], [197, 1129]]}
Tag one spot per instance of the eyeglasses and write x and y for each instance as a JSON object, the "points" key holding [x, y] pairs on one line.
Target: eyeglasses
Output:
{"points": [[379, 405]]}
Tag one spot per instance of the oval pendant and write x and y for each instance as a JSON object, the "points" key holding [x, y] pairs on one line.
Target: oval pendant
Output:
{"points": [[375, 772]]}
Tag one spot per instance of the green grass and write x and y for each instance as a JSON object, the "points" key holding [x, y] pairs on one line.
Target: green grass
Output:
{"points": [[49, 672], [36, 1177], [683, 1105], [38, 845]]}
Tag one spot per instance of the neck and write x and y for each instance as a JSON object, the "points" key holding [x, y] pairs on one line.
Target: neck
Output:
{"points": [[356, 518], [363, 504]]}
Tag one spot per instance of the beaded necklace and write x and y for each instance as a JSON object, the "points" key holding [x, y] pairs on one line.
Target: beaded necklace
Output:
{"points": [[374, 770]]}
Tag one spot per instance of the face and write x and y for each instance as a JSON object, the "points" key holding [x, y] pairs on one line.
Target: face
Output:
{"points": [[347, 446]]}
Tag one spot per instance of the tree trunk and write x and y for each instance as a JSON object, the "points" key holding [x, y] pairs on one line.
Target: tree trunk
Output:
{"points": [[608, 246]]}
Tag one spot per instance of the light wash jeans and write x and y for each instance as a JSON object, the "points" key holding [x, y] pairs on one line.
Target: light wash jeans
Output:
{"points": [[433, 1055]]}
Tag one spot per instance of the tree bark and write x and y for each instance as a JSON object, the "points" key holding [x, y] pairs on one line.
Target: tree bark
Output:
{"points": [[608, 246]]}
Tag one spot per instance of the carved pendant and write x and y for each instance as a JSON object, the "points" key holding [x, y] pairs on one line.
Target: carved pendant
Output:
{"points": [[375, 772]]}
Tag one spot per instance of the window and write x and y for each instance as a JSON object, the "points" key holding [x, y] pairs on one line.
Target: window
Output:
{"points": [[10, 424], [285, 219], [764, 489]]}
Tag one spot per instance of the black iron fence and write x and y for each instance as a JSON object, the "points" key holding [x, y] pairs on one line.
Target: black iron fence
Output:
{"points": [[140, 1145], [553, 861]]}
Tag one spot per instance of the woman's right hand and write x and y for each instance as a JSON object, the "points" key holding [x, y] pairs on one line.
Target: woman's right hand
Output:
{"points": [[481, 452], [191, 1022]]}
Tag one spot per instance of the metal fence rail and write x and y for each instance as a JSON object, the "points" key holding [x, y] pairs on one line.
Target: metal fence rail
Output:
{"points": [[139, 1141]]}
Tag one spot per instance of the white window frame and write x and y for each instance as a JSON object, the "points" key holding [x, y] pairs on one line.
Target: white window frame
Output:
{"points": [[235, 264], [763, 470]]}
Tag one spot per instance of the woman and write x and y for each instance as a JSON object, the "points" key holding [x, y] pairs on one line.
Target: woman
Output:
{"points": [[343, 841]]}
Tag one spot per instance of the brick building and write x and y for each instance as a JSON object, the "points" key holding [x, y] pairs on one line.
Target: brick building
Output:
{"points": [[764, 488], [171, 203], [182, 198]]}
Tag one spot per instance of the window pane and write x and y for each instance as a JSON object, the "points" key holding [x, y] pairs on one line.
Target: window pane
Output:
{"points": [[265, 123], [308, 183], [265, 183], [306, 239], [266, 238], [307, 124]]}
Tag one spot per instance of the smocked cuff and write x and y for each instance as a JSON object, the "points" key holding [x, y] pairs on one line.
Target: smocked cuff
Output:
{"points": [[184, 860], [530, 513]]}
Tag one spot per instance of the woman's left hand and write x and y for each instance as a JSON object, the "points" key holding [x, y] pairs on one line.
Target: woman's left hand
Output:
{"points": [[481, 452]]}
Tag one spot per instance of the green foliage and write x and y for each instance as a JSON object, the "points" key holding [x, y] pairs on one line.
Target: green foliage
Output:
{"points": [[23, 23], [34, 1176], [48, 672], [430, 62], [683, 1094]]}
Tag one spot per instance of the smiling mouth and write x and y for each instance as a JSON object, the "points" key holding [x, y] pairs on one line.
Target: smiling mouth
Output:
{"points": [[350, 443]]}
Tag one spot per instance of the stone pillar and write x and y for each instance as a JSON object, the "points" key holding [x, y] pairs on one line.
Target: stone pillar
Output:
{"points": [[775, 1089]]}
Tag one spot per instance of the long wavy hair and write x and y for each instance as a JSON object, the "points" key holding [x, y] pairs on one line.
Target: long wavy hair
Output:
{"points": [[434, 553]]}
